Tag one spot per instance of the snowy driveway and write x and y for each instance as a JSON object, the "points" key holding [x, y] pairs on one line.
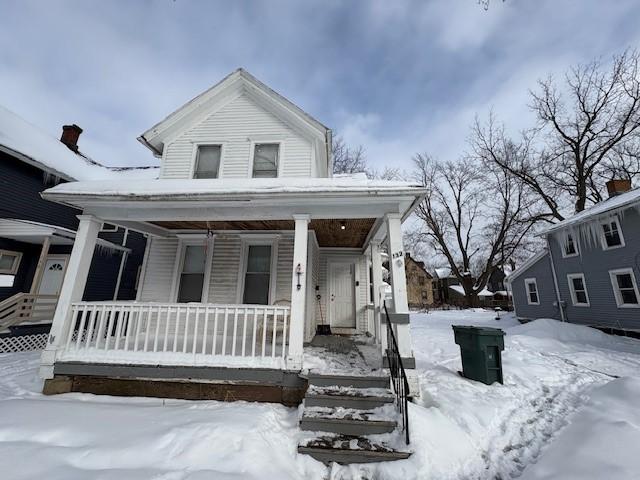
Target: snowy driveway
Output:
{"points": [[560, 409]]}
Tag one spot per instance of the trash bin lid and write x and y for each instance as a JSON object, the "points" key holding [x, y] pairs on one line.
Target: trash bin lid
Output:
{"points": [[478, 330]]}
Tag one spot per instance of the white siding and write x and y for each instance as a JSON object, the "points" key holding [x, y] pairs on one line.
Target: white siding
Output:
{"points": [[225, 269], [158, 275], [236, 125], [284, 269]]}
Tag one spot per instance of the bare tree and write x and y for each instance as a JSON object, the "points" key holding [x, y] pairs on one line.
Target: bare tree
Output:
{"points": [[588, 132], [472, 216], [347, 159]]}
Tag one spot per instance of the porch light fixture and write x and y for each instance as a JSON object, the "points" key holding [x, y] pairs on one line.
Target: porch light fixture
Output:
{"points": [[343, 226]]}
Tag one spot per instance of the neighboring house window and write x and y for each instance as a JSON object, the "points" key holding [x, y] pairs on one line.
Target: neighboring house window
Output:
{"points": [[207, 161], [192, 275], [625, 288], [578, 288], [421, 280], [257, 278], [265, 160], [9, 262], [570, 248], [531, 287], [612, 235]]}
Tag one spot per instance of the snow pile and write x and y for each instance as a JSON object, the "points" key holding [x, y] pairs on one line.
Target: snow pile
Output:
{"points": [[601, 440], [563, 332], [18, 135]]}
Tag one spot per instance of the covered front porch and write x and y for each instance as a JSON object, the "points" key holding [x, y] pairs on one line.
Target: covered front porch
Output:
{"points": [[226, 284]]}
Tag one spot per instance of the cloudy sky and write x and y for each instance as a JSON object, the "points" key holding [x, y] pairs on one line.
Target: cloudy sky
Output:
{"points": [[398, 77]]}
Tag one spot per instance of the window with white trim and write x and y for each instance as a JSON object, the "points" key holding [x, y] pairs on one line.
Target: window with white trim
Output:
{"points": [[570, 246], [191, 281], [9, 262], [265, 160], [578, 289], [207, 161], [612, 235], [625, 288], [531, 287], [257, 277]]}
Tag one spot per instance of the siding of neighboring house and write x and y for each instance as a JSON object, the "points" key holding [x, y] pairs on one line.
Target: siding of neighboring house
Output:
{"points": [[235, 126], [419, 284], [20, 187], [541, 271], [595, 263]]}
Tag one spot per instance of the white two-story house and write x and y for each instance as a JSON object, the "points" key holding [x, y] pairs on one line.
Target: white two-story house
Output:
{"points": [[252, 243]]}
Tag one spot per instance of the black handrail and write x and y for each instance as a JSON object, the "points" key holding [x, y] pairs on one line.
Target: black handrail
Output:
{"points": [[398, 376]]}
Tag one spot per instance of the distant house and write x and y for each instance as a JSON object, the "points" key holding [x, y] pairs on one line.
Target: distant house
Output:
{"points": [[443, 279], [589, 272], [36, 236], [419, 283]]}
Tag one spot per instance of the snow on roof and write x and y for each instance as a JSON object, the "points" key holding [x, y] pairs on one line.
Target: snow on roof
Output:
{"points": [[443, 272], [240, 186], [32, 145], [482, 293], [525, 266], [619, 202]]}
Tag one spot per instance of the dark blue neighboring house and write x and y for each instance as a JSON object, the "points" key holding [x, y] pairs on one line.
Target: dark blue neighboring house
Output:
{"points": [[36, 236], [589, 272]]}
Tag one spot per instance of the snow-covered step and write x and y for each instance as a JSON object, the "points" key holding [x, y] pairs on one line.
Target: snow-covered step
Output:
{"points": [[348, 421], [346, 449], [357, 381], [348, 397]]}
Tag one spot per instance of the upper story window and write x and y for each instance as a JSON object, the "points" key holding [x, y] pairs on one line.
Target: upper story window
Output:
{"points": [[570, 247], [265, 160], [578, 289], [531, 287], [625, 288], [207, 161], [612, 235], [9, 262]]}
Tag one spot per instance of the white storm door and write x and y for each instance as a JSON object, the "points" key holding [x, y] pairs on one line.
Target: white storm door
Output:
{"points": [[342, 295], [53, 275]]}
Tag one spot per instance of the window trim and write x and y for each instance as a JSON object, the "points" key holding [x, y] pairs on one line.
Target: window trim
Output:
{"points": [[603, 240], [104, 227], [16, 263], [247, 241], [563, 245], [266, 141], [194, 157], [616, 291], [572, 291], [183, 242], [533, 281]]}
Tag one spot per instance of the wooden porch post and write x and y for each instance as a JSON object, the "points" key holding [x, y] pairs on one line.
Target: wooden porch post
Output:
{"points": [[398, 280], [37, 276], [72, 289], [298, 291]]}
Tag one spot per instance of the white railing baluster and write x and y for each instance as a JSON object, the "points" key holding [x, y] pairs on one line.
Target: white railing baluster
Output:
{"points": [[244, 333], [253, 336], [166, 329], [101, 326], [275, 332], [265, 326], [235, 332], [175, 334], [147, 328], [157, 332], [215, 330], [74, 319], [186, 331], [138, 328], [81, 327], [109, 329], [93, 311], [284, 332], [195, 332], [224, 332], [205, 334]]}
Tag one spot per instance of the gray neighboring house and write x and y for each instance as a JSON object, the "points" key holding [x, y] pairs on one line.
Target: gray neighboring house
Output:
{"points": [[589, 271]]}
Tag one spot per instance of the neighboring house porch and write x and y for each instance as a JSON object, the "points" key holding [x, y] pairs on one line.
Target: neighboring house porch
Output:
{"points": [[234, 281]]}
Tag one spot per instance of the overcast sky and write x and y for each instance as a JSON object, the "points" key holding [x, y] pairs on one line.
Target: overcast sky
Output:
{"points": [[397, 77]]}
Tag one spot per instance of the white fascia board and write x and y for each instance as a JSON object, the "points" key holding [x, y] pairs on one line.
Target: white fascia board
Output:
{"points": [[34, 163]]}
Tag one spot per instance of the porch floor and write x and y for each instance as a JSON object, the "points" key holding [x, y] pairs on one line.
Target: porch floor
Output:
{"points": [[355, 355]]}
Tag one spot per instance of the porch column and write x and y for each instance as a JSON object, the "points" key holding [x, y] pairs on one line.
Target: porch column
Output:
{"points": [[298, 291], [40, 267], [75, 280], [376, 280], [398, 282]]}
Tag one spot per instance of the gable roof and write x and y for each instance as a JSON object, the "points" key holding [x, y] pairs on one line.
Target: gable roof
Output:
{"points": [[31, 145], [604, 208], [526, 265], [237, 81]]}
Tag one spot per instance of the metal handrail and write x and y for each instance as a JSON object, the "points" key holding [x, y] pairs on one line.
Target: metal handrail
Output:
{"points": [[398, 376]]}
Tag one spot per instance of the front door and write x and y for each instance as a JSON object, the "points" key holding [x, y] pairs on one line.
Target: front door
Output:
{"points": [[53, 274], [342, 295]]}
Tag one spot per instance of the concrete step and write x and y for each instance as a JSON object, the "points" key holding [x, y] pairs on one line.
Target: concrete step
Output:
{"points": [[356, 381], [348, 397], [348, 449], [345, 425]]}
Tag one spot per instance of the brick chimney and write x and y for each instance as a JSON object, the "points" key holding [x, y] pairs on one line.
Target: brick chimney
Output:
{"points": [[618, 186], [70, 136]]}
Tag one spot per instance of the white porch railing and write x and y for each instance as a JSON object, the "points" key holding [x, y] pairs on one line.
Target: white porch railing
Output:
{"points": [[27, 307], [177, 334]]}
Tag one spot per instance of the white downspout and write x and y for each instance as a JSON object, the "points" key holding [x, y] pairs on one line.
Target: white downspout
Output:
{"points": [[555, 279]]}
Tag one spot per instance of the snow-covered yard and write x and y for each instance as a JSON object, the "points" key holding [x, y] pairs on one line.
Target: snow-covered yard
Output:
{"points": [[568, 409]]}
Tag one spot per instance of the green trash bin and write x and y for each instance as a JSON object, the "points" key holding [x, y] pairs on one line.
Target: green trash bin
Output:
{"points": [[481, 350]]}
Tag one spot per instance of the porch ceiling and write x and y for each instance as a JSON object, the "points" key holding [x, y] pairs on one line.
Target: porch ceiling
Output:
{"points": [[329, 232]]}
